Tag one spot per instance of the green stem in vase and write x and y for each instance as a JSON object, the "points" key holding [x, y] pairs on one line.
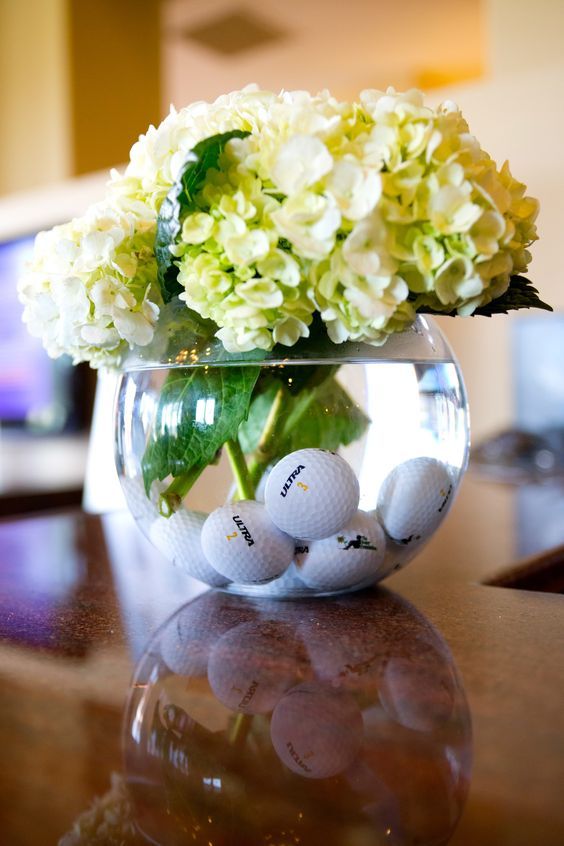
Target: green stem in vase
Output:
{"points": [[171, 499], [239, 729], [245, 486], [273, 428], [281, 417]]}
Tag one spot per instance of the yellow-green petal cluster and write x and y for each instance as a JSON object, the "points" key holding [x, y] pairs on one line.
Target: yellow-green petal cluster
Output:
{"points": [[360, 212]]}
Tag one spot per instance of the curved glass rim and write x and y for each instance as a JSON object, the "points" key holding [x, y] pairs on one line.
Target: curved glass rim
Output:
{"points": [[182, 340]]}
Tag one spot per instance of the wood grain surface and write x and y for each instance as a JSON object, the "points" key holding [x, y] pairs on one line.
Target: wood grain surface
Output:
{"points": [[81, 596]]}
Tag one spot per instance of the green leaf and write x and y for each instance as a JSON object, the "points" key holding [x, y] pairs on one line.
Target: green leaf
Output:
{"points": [[324, 416], [520, 294], [180, 201], [251, 429], [198, 410], [327, 418]]}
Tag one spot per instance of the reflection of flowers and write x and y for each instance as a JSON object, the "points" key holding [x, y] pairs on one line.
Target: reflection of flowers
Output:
{"points": [[109, 820], [362, 212]]}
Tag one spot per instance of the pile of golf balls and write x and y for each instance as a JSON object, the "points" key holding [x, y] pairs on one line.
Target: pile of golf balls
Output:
{"points": [[310, 519]]}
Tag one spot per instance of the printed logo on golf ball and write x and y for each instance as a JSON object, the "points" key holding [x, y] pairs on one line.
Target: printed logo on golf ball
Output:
{"points": [[316, 731], [311, 494], [252, 666], [413, 499], [242, 543], [349, 557]]}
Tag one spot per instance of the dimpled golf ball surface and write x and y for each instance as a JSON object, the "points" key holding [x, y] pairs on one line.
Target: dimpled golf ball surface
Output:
{"points": [[413, 499], [188, 637], [252, 665], [241, 542], [349, 557], [142, 507], [316, 731], [311, 494], [179, 539]]}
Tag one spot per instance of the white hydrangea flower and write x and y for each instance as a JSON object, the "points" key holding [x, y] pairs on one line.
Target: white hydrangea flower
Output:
{"points": [[89, 290], [309, 221], [301, 162], [362, 211]]}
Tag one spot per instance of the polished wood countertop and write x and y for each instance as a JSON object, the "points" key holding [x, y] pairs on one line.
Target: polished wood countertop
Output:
{"points": [[83, 601]]}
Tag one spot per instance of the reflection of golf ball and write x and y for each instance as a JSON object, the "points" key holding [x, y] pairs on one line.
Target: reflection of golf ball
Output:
{"points": [[316, 731], [241, 542], [187, 638], [311, 493], [252, 665], [349, 656], [349, 557], [178, 538], [413, 499], [420, 697]]}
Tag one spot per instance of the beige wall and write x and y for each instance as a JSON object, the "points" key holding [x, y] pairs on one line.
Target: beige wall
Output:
{"points": [[34, 105], [517, 114], [79, 81]]}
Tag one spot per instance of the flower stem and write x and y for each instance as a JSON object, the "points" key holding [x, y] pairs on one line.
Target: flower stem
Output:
{"points": [[245, 486], [271, 433], [171, 499], [239, 730], [282, 419]]}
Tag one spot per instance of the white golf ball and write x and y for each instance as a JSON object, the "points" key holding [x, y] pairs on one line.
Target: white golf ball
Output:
{"points": [[143, 508], [252, 665], [311, 493], [178, 538], [316, 731], [413, 499], [241, 542], [349, 557], [288, 584]]}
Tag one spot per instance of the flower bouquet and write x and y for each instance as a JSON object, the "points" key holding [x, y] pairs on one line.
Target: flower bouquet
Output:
{"points": [[252, 253]]}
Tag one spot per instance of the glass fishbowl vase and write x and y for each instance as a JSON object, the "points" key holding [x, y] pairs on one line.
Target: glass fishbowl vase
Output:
{"points": [[308, 470]]}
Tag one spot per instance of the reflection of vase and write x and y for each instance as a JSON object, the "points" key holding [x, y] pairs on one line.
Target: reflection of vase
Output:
{"points": [[198, 428], [247, 719]]}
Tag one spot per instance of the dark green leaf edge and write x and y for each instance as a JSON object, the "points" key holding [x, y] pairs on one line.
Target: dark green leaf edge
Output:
{"points": [[520, 294], [180, 201]]}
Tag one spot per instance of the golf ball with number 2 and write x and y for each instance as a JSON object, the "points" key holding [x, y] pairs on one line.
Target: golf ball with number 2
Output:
{"points": [[311, 494], [241, 542]]}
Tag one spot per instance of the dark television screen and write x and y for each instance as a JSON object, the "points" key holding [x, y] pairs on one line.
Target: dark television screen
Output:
{"points": [[35, 391]]}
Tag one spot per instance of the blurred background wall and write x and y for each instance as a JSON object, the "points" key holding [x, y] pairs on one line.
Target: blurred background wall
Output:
{"points": [[81, 79]]}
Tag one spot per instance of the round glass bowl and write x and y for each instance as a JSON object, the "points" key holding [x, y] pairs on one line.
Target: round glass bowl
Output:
{"points": [[332, 464], [258, 722]]}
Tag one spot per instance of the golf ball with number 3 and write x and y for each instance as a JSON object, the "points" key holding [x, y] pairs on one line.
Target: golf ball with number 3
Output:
{"points": [[241, 542], [311, 494], [351, 556], [413, 499]]}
